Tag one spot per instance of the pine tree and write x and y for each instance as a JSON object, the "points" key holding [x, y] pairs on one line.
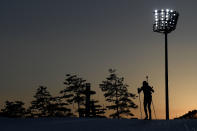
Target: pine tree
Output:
{"points": [[116, 92], [57, 108], [74, 92], [88, 93], [39, 107], [96, 109], [13, 109], [92, 108]]}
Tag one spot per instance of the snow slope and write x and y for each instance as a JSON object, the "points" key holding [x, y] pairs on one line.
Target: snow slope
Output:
{"points": [[74, 124]]}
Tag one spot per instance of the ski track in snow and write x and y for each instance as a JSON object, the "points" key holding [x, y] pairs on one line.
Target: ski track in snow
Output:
{"points": [[93, 124]]}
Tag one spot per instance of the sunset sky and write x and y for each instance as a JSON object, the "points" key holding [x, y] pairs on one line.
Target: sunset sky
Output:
{"points": [[42, 40]]}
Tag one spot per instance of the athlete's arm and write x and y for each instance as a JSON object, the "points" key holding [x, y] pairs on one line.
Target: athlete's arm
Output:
{"points": [[139, 90]]}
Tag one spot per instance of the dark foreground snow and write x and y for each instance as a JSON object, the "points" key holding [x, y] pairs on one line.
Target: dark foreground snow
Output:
{"points": [[63, 124]]}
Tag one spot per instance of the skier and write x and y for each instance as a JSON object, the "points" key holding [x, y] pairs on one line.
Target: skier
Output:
{"points": [[147, 98]]}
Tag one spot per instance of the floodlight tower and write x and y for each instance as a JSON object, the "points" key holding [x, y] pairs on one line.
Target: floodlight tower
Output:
{"points": [[165, 22]]}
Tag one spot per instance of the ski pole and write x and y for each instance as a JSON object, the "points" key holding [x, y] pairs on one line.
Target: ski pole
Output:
{"points": [[154, 110]]}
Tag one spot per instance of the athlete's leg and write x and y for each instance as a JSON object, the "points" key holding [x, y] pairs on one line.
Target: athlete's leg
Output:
{"points": [[145, 108], [149, 108]]}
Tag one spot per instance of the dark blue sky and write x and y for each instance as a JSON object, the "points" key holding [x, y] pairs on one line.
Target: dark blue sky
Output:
{"points": [[42, 40]]}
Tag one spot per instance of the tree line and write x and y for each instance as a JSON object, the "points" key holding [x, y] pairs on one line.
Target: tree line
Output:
{"points": [[77, 91]]}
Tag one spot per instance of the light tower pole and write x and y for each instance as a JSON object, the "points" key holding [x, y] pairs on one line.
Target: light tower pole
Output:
{"points": [[165, 22]]}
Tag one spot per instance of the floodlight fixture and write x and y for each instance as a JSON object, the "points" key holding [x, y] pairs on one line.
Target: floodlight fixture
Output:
{"points": [[165, 21]]}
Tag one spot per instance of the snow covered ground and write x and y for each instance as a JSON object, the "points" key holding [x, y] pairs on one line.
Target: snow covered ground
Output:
{"points": [[74, 124]]}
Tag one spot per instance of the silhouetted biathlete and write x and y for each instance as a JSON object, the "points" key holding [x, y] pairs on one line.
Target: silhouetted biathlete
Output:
{"points": [[147, 98]]}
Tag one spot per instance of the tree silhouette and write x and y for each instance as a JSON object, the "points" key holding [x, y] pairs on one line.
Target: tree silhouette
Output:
{"points": [[57, 108], [13, 109], [92, 108], [116, 92], [40, 106], [88, 92], [74, 92], [190, 115], [96, 109]]}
